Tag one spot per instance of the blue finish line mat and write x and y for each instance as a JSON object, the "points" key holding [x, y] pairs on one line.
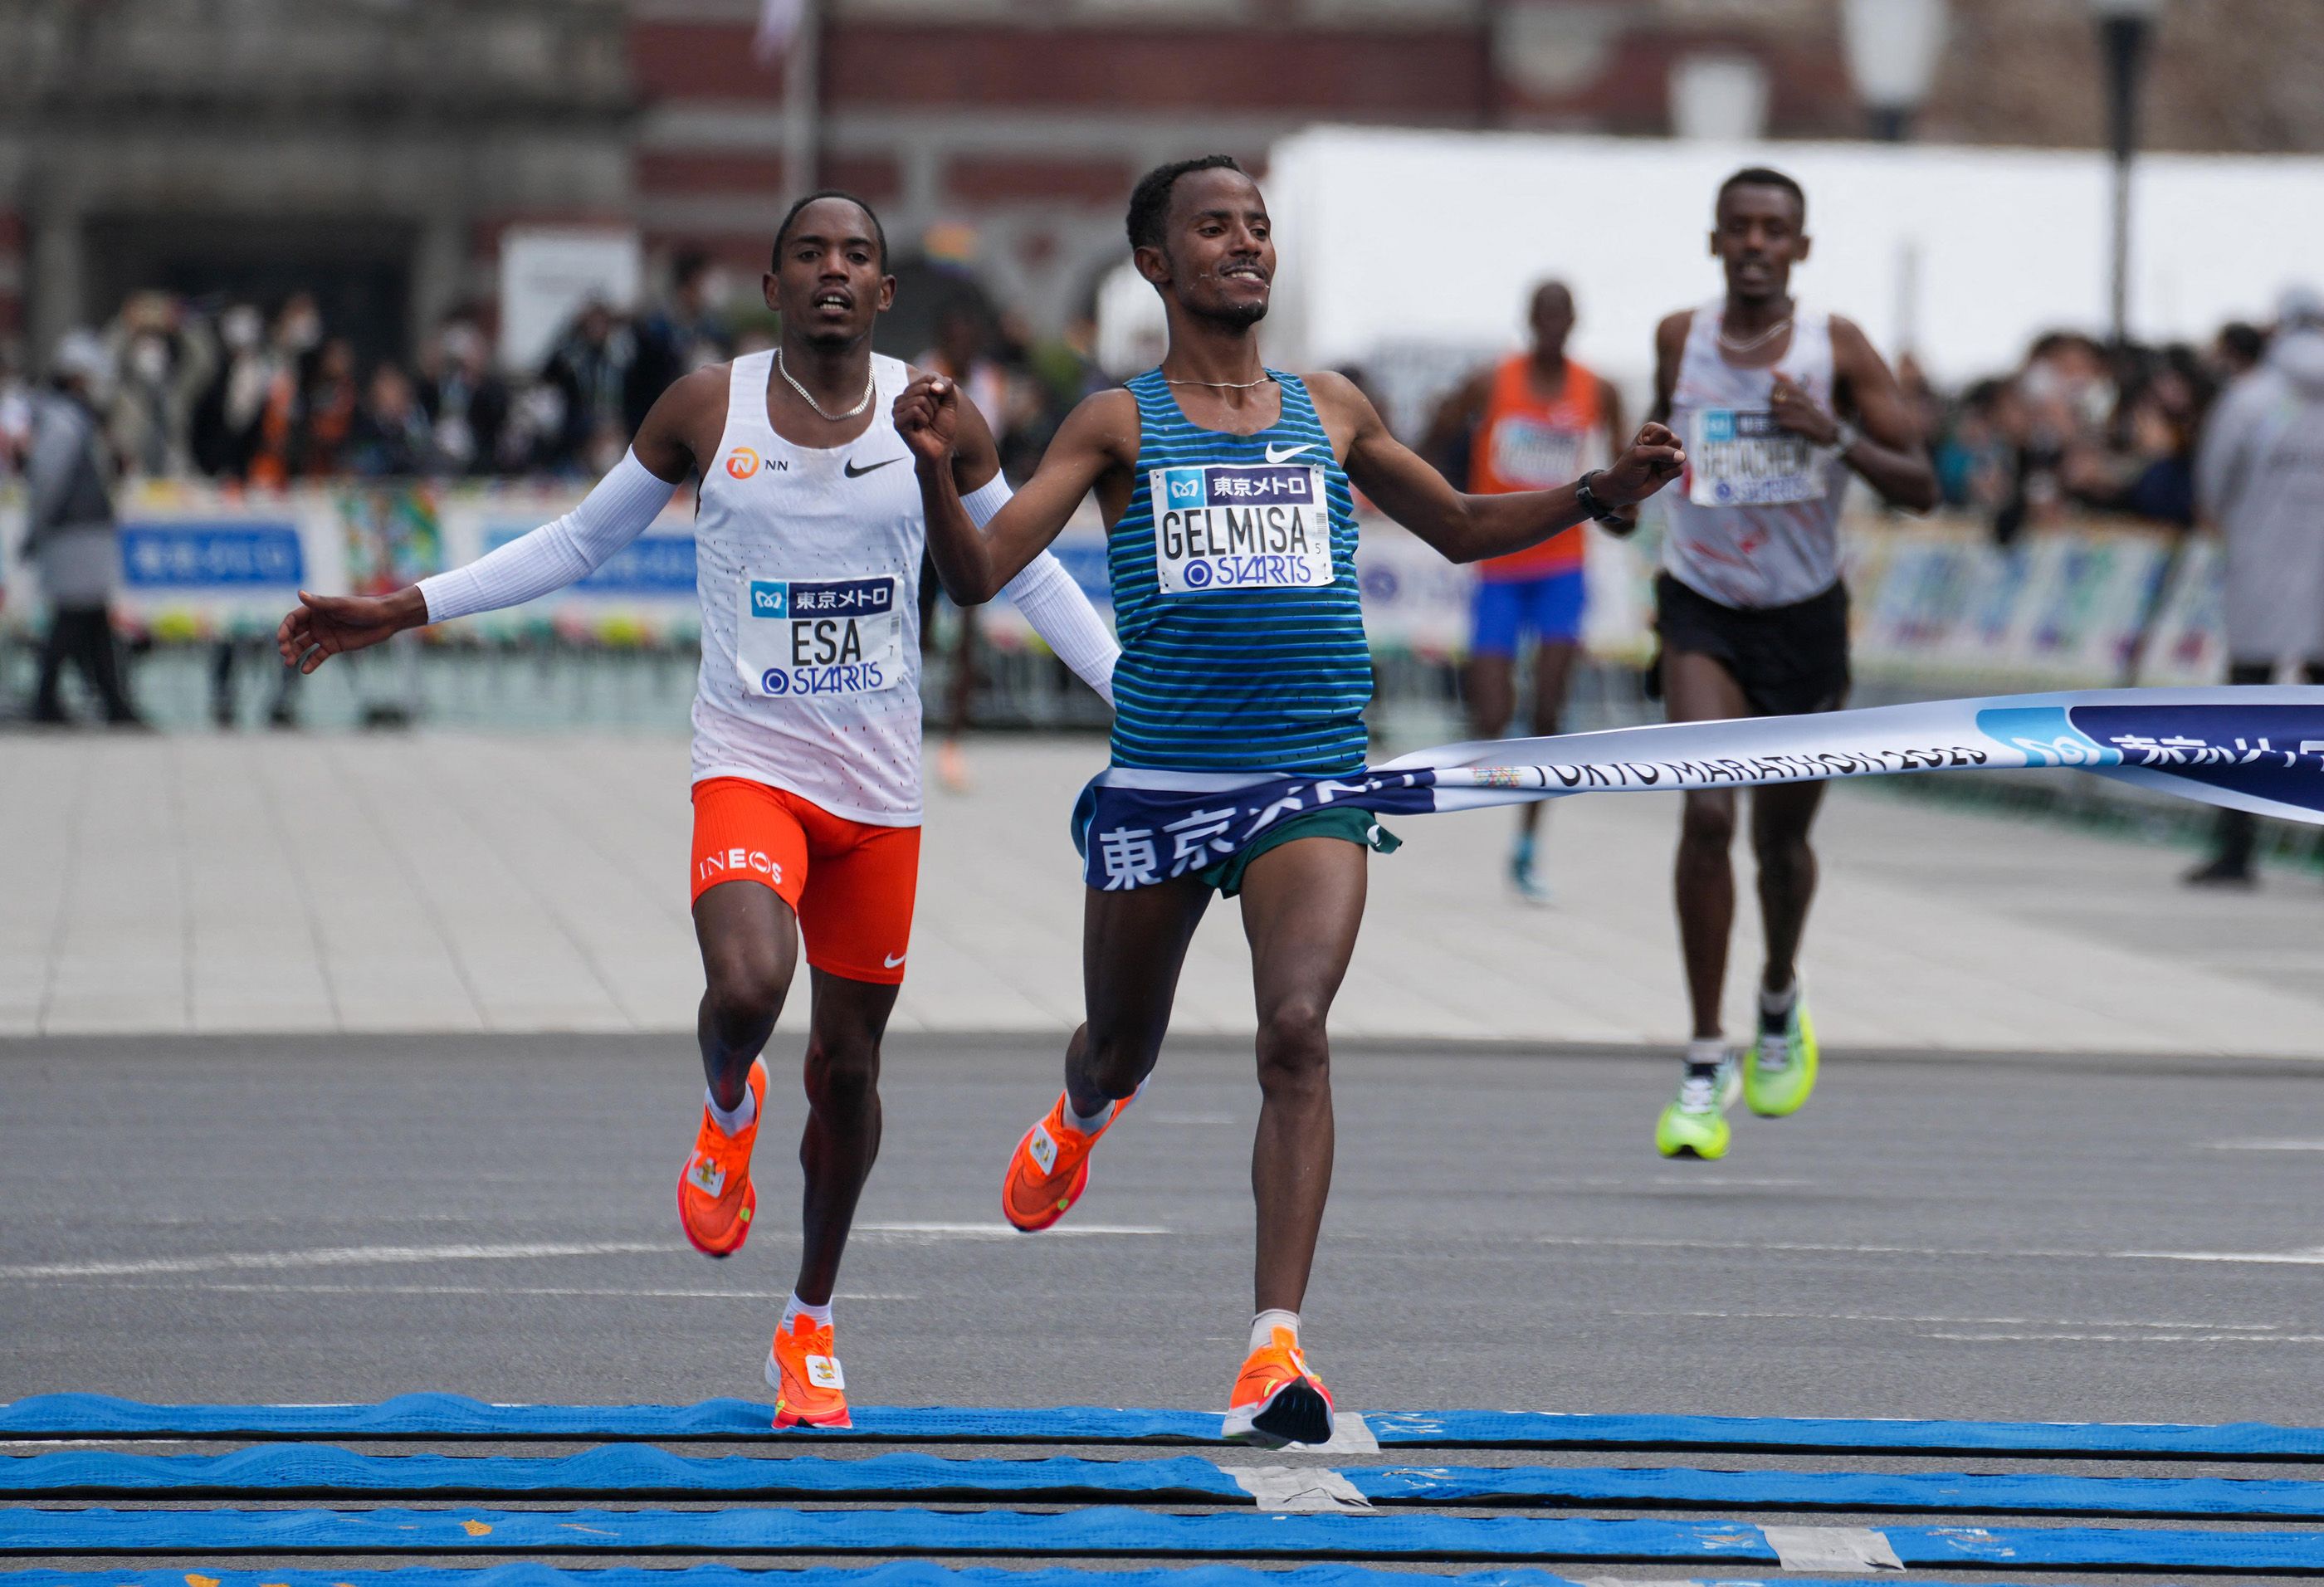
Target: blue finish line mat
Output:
{"points": [[1112, 1532], [639, 1471], [447, 1415], [792, 1498], [909, 1574]]}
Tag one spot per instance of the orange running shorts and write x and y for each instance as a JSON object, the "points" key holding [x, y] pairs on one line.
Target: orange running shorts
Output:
{"points": [[850, 883]]}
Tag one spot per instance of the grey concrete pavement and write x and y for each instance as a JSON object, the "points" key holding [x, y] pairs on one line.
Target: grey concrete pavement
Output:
{"points": [[300, 1219], [440, 882]]}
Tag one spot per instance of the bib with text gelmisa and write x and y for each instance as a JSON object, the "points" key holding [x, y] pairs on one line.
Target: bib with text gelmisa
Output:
{"points": [[1240, 526], [1534, 455], [820, 637], [1741, 458]]}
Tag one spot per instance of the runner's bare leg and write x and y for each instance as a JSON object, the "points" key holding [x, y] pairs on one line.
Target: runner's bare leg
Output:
{"points": [[750, 951], [1302, 905], [842, 1137], [1697, 687], [1134, 944], [1781, 815], [1553, 675]]}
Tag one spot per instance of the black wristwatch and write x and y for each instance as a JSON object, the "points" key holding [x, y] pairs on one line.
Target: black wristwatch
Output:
{"points": [[1595, 505]]}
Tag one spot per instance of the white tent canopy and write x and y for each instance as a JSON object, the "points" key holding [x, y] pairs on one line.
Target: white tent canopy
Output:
{"points": [[1398, 238]]}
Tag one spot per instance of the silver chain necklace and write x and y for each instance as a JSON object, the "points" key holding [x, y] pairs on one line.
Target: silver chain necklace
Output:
{"points": [[1748, 343], [1222, 385], [870, 388]]}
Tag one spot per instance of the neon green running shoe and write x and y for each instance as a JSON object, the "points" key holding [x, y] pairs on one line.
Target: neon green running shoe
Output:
{"points": [[1779, 1071], [1694, 1124]]}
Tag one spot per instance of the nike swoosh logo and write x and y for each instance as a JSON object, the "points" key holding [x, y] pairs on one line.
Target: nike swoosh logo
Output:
{"points": [[855, 473], [1284, 454], [898, 959]]}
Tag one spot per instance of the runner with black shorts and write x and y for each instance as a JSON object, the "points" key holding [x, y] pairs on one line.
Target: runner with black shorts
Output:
{"points": [[1776, 405]]}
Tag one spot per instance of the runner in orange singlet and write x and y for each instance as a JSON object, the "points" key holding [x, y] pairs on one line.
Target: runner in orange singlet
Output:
{"points": [[1536, 421]]}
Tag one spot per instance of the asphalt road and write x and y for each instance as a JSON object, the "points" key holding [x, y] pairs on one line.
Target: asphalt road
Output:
{"points": [[254, 1219]]}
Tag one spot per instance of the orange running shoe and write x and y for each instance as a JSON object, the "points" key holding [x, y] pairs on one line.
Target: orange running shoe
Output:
{"points": [[810, 1391], [1049, 1169], [1276, 1399], [715, 1201]]}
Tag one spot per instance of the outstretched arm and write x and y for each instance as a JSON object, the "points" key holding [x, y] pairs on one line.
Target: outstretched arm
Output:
{"points": [[1466, 527], [618, 510], [974, 563]]}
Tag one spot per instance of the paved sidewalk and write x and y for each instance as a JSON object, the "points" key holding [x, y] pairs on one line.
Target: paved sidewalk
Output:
{"points": [[451, 883]]}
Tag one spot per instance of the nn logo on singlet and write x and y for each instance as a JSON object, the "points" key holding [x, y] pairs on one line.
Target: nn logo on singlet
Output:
{"points": [[742, 463]]}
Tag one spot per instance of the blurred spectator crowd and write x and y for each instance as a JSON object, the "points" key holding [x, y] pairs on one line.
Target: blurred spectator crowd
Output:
{"points": [[237, 393], [2079, 429], [233, 392]]}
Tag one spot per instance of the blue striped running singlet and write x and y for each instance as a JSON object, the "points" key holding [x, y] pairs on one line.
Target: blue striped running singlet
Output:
{"points": [[1243, 632]]}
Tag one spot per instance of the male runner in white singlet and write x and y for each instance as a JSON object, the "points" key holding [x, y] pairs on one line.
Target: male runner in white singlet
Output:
{"points": [[1776, 406], [808, 536]]}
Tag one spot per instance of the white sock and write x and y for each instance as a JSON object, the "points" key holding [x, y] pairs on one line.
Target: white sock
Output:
{"points": [[1092, 1122], [740, 1118], [1706, 1052], [1775, 1007], [1263, 1327], [819, 1315]]}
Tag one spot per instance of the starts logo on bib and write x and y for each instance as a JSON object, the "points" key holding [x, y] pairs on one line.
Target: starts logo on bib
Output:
{"points": [[742, 463]]}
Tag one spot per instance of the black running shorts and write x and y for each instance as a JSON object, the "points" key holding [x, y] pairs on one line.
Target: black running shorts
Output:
{"points": [[1789, 660]]}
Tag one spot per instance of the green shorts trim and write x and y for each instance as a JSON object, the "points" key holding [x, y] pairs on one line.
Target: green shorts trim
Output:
{"points": [[1345, 822]]}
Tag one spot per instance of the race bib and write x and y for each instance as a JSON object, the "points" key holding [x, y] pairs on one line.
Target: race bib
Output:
{"points": [[840, 636], [1240, 526], [1534, 455], [1741, 457]]}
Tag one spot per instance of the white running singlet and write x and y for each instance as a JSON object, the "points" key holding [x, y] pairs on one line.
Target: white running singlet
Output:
{"points": [[1754, 521], [807, 563]]}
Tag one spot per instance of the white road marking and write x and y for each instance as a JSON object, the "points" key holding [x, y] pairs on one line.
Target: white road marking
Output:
{"points": [[2265, 1145], [2314, 1256], [2131, 1338], [2179, 1325], [752, 1294], [2310, 1256], [998, 1230], [339, 1255], [1723, 1181]]}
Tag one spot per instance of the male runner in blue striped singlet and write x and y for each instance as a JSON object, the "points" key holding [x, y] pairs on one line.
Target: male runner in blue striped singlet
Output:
{"points": [[1231, 536]]}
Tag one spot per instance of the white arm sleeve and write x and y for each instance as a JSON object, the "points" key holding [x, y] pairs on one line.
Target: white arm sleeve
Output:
{"points": [[1053, 604], [619, 509]]}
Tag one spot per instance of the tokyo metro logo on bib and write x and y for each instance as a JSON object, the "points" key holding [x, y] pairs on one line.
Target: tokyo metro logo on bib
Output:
{"points": [[1235, 526]]}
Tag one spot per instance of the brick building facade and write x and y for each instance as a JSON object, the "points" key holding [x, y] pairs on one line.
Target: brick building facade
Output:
{"points": [[382, 145]]}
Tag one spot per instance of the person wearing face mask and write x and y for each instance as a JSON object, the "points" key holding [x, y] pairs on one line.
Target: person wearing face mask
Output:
{"points": [[163, 358], [298, 329], [224, 430], [69, 533], [466, 404], [2259, 478]]}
